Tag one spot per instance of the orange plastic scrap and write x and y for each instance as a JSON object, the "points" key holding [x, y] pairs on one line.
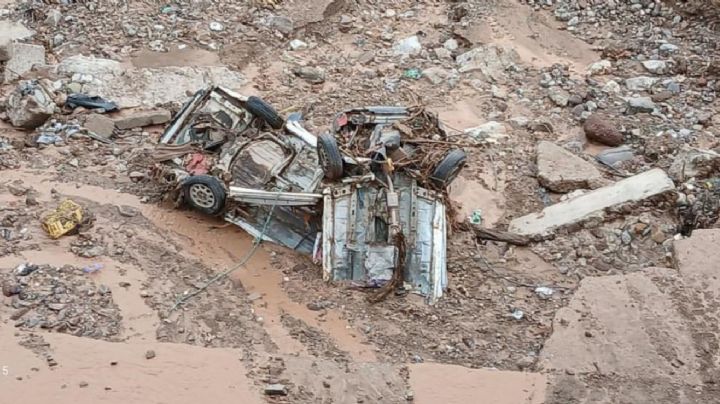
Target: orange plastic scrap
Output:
{"points": [[62, 220]]}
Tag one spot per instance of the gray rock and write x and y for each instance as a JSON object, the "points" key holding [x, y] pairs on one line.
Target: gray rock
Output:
{"points": [[283, 24], [640, 104], [58, 40], [655, 66], [491, 60], [518, 122], [297, 44], [600, 67], [22, 59], [451, 44], [611, 87], [276, 389], [138, 118], [691, 162], [442, 53], [592, 204], [54, 16], [612, 157], [10, 32], [407, 46], [559, 96], [668, 47], [673, 87], [436, 75], [29, 105], [489, 132], [312, 75], [640, 83], [561, 171], [100, 125]]}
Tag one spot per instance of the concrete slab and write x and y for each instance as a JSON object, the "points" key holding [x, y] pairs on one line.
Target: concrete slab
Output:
{"points": [[633, 189]]}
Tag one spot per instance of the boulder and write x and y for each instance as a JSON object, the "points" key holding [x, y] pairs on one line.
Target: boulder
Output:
{"points": [[29, 105], [599, 128], [562, 171]]}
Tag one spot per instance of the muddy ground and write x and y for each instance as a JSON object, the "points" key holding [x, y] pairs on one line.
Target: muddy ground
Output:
{"points": [[632, 317]]}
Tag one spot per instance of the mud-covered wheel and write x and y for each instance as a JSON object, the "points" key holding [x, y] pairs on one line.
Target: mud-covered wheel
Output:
{"points": [[449, 168], [329, 156], [258, 107], [204, 194]]}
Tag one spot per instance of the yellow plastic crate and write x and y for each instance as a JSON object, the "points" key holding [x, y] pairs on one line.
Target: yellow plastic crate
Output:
{"points": [[63, 219]]}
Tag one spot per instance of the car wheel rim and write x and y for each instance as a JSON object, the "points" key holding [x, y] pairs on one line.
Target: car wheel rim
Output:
{"points": [[202, 195]]}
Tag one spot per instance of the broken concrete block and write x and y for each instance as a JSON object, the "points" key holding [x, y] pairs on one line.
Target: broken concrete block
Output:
{"points": [[691, 162], [140, 118], [29, 105], [561, 171], [100, 125], [22, 58], [10, 32], [576, 210]]}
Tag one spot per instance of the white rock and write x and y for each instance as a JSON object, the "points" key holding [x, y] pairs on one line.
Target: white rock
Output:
{"points": [[601, 67], [216, 26], [641, 83], [297, 44], [451, 44], [655, 66], [489, 132], [407, 46]]}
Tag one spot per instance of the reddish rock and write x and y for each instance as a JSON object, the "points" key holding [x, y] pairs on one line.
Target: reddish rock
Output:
{"points": [[598, 128]]}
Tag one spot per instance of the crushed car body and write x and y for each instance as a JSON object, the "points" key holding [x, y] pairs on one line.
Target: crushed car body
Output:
{"points": [[365, 200]]}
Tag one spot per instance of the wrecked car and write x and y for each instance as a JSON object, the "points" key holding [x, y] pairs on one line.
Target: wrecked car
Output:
{"points": [[392, 228], [370, 217], [229, 157]]}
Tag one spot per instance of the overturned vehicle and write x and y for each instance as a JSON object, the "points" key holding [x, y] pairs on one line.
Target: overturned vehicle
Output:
{"points": [[366, 200]]}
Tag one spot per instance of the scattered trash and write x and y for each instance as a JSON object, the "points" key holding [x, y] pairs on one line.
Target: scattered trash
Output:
{"points": [[63, 220], [92, 268], [413, 73], [517, 314], [476, 217], [25, 269], [96, 103], [544, 291]]}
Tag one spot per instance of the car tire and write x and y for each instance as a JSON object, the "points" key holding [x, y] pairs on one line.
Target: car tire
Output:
{"points": [[258, 107], [449, 168], [204, 193], [329, 156]]}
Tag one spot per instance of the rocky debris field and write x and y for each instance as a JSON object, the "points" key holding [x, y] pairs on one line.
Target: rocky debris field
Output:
{"points": [[592, 131]]}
